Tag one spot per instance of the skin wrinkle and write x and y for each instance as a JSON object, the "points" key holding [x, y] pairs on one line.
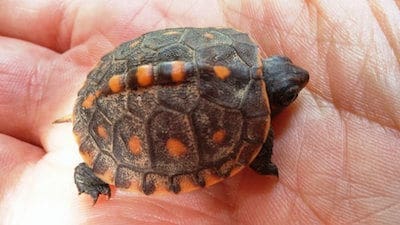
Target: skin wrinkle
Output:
{"points": [[152, 215], [63, 37], [353, 113], [344, 159], [302, 196], [172, 207], [388, 33], [74, 19], [345, 166], [292, 26], [76, 38], [308, 205], [60, 45], [164, 11], [330, 82], [138, 12], [363, 68], [35, 97], [374, 213]]}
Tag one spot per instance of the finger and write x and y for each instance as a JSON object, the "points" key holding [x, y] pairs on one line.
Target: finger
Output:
{"points": [[33, 88], [36, 188], [15, 156], [42, 22], [60, 25]]}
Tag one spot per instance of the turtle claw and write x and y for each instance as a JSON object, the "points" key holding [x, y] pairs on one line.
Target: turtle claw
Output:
{"points": [[88, 183]]}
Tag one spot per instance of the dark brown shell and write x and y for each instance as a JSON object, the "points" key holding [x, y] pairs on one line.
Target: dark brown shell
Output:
{"points": [[175, 137]]}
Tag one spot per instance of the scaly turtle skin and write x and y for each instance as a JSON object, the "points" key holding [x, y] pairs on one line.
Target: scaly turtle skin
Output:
{"points": [[178, 109]]}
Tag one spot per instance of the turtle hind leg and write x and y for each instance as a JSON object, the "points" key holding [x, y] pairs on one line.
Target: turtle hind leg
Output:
{"points": [[88, 183], [262, 163]]}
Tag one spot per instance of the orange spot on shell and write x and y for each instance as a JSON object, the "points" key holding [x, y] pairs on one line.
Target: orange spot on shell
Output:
{"points": [[135, 145], [107, 176], [132, 180], [77, 137], [102, 132], [134, 44], [171, 33], [144, 75], [134, 186], [175, 147], [178, 71], [88, 102], [187, 184], [115, 83], [219, 136], [222, 72], [236, 170], [87, 157], [211, 178], [161, 188], [209, 36], [259, 71]]}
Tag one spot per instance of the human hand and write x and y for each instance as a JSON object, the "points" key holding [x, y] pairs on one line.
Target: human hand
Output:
{"points": [[336, 146]]}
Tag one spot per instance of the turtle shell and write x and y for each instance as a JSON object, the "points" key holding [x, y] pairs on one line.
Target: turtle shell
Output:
{"points": [[163, 137]]}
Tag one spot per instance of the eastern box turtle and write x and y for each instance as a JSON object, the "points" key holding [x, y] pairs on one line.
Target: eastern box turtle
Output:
{"points": [[178, 109]]}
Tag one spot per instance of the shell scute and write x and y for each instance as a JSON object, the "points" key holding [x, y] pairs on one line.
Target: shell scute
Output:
{"points": [[174, 136]]}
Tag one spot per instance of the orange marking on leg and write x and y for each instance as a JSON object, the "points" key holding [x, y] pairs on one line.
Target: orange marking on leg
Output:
{"points": [[178, 71], [116, 84], [222, 72], [144, 75], [175, 147], [219, 136], [135, 145], [102, 132]]}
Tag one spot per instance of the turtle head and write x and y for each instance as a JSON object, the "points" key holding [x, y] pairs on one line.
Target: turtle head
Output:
{"points": [[284, 81]]}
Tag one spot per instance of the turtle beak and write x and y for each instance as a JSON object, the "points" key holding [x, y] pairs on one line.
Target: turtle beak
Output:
{"points": [[300, 76]]}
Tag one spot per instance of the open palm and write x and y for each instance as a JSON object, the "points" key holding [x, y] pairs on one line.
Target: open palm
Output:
{"points": [[337, 146]]}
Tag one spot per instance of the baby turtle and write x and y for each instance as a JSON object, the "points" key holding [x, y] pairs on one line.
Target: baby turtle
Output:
{"points": [[178, 109]]}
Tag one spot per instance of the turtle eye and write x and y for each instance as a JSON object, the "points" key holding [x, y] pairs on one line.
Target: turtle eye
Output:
{"points": [[288, 97]]}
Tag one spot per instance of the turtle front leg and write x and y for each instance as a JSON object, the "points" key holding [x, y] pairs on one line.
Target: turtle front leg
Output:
{"points": [[262, 163], [88, 183]]}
